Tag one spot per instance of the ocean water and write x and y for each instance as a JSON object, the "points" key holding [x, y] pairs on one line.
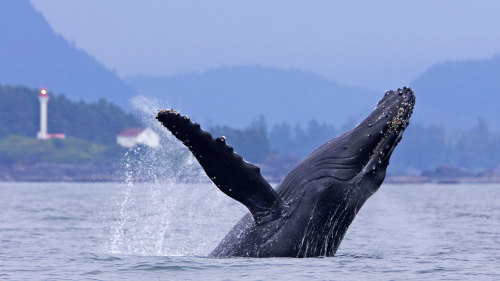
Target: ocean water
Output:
{"points": [[155, 231]]}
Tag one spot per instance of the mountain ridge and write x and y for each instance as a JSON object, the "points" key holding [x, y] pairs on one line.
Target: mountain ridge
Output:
{"points": [[245, 92], [33, 55], [456, 94]]}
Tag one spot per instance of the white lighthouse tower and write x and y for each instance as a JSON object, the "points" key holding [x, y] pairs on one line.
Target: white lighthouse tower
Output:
{"points": [[44, 99]]}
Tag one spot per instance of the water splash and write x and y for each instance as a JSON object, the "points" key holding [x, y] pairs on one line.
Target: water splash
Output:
{"points": [[159, 211]]}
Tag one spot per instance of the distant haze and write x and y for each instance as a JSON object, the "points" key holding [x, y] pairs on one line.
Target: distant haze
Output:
{"points": [[32, 55], [453, 94], [371, 44], [236, 95]]}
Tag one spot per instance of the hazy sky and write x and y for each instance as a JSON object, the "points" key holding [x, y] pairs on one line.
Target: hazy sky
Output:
{"points": [[374, 44]]}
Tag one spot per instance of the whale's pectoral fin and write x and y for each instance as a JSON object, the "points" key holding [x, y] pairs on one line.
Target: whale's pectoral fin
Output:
{"points": [[235, 177]]}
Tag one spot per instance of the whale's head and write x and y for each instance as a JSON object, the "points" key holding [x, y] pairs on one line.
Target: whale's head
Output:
{"points": [[371, 143], [358, 159]]}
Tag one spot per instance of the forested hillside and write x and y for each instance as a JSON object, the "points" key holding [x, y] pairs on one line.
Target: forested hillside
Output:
{"points": [[422, 148], [98, 122]]}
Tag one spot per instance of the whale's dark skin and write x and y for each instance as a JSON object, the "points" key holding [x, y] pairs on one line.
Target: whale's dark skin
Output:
{"points": [[309, 212]]}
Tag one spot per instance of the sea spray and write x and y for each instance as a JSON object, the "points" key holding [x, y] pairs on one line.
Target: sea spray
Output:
{"points": [[166, 206]]}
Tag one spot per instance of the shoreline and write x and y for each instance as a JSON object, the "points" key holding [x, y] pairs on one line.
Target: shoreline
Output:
{"points": [[405, 179], [49, 172]]}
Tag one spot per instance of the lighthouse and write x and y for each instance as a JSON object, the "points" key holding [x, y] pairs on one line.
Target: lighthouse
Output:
{"points": [[44, 99], [43, 134]]}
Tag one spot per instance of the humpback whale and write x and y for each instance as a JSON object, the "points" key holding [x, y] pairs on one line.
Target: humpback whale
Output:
{"points": [[308, 214]]}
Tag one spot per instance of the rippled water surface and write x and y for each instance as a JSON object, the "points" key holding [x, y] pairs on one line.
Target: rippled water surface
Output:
{"points": [[102, 231]]}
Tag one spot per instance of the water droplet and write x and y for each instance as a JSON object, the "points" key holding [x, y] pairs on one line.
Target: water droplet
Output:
{"points": [[370, 125]]}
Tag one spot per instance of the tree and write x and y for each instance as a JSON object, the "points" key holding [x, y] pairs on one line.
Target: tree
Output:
{"points": [[252, 142]]}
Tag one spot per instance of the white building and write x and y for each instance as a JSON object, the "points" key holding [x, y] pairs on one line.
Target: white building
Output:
{"points": [[133, 136]]}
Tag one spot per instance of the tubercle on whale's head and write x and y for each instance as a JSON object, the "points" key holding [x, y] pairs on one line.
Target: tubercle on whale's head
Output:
{"points": [[385, 125], [392, 117]]}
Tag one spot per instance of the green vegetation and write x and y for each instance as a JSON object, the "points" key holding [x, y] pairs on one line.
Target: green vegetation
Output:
{"points": [[91, 131], [95, 122], [252, 142], [426, 148], [28, 150], [299, 141], [256, 143], [423, 147]]}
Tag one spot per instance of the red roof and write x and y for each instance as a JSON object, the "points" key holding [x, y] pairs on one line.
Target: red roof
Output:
{"points": [[131, 132]]}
